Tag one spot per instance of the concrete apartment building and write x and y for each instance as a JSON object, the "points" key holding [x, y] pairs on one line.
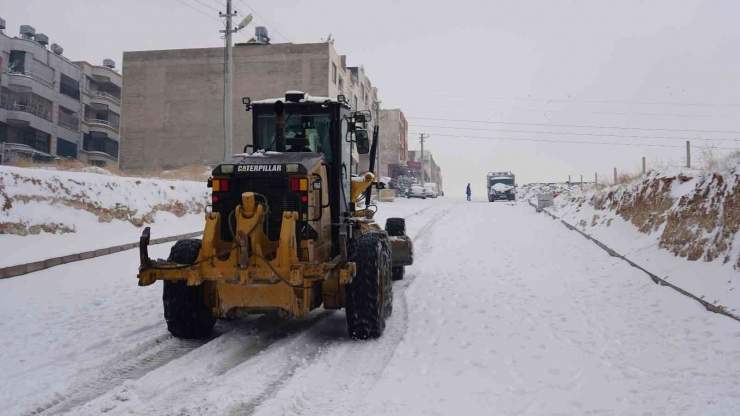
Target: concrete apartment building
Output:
{"points": [[44, 98], [393, 146], [173, 99]]}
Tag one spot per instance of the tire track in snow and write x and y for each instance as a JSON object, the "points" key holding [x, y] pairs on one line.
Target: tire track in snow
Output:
{"points": [[185, 377], [130, 365], [337, 368]]}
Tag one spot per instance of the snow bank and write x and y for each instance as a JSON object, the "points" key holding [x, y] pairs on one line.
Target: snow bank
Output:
{"points": [[48, 213], [529, 191], [680, 224]]}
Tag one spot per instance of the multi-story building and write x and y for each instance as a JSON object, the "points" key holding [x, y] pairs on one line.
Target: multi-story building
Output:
{"points": [[393, 146], [101, 110], [363, 97], [43, 100], [173, 99]]}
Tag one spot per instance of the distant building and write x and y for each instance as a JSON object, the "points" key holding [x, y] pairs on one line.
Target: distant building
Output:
{"points": [[394, 130], [44, 99], [432, 171], [173, 99]]}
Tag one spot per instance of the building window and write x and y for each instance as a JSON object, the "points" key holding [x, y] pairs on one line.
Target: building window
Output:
{"points": [[341, 85], [68, 119], [69, 87], [334, 73], [17, 62], [66, 149], [100, 142], [36, 139]]}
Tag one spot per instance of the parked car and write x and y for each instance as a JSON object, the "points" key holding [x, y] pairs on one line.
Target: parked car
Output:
{"points": [[416, 191], [431, 188]]}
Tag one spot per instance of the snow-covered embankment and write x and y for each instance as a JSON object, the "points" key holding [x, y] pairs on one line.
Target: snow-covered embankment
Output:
{"points": [[681, 225], [46, 213]]}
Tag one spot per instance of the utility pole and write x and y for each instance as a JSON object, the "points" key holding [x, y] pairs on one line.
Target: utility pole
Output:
{"points": [[228, 82], [644, 166], [422, 136]]}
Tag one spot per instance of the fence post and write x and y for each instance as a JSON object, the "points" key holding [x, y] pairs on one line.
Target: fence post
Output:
{"points": [[615, 176], [688, 154], [581, 179], [596, 178], [644, 170], [568, 178]]}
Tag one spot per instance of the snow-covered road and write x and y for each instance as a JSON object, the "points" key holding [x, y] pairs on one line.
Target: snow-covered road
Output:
{"points": [[504, 312]]}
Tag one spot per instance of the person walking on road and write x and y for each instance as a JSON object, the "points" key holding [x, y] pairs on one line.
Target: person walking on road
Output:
{"points": [[468, 192]]}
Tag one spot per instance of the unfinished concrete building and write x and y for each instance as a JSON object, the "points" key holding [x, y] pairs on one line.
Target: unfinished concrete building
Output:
{"points": [[173, 99]]}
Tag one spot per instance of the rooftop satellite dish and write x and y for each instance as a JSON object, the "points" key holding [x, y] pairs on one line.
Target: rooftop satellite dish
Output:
{"points": [[247, 20]]}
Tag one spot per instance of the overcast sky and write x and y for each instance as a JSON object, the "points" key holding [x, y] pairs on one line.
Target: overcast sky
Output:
{"points": [[664, 64]]}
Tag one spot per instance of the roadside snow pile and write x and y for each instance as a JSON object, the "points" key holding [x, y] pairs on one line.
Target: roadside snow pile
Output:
{"points": [[529, 191], [48, 213], [681, 225]]}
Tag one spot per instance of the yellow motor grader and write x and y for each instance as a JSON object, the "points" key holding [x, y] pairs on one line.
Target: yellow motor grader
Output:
{"points": [[290, 227]]}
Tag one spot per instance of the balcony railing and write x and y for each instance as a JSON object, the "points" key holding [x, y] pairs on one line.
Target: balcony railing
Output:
{"points": [[28, 74], [69, 125], [103, 94], [13, 106], [103, 122]]}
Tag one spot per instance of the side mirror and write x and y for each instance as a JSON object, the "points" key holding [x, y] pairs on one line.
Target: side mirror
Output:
{"points": [[362, 138]]}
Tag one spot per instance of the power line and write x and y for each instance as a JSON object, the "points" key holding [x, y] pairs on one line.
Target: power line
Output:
{"points": [[570, 141], [561, 100], [575, 125], [209, 6], [622, 113], [576, 134], [200, 11], [265, 20]]}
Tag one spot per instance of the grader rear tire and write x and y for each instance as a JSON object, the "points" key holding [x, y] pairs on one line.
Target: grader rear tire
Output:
{"points": [[369, 298], [185, 309]]}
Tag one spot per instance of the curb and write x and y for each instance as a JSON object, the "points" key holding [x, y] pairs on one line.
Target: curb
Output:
{"points": [[657, 280], [21, 269]]}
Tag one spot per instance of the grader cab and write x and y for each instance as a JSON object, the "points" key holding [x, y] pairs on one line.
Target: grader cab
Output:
{"points": [[285, 234]]}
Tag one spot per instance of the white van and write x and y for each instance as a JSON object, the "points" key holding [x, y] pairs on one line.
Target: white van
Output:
{"points": [[431, 189]]}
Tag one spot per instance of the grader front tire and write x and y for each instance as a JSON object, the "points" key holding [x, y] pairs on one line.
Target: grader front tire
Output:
{"points": [[185, 309], [370, 295]]}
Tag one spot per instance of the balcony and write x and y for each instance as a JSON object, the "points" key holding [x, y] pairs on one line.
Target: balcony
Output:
{"points": [[29, 75], [15, 106], [105, 124], [105, 95]]}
